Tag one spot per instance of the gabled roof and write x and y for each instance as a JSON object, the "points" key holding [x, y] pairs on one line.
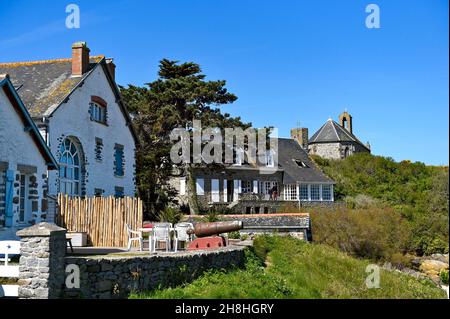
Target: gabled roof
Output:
{"points": [[28, 123], [290, 155], [332, 132], [45, 85]]}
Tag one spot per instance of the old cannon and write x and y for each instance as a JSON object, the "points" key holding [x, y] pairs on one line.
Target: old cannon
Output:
{"points": [[208, 234]]}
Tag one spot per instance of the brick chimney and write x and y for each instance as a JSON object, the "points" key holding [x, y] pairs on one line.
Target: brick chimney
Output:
{"points": [[111, 68], [301, 136], [80, 58]]}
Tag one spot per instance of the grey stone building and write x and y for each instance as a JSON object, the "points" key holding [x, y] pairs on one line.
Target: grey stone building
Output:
{"points": [[246, 188], [335, 141]]}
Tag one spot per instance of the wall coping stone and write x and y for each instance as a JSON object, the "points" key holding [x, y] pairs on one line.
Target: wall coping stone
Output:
{"points": [[40, 230], [162, 255]]}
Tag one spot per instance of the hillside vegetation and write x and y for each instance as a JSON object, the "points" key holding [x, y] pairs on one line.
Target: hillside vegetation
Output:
{"points": [[405, 203], [284, 267]]}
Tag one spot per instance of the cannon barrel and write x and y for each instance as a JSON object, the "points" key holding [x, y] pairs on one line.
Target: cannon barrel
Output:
{"points": [[216, 228]]}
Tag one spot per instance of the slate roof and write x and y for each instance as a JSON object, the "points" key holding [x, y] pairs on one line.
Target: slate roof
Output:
{"points": [[332, 132], [43, 85], [28, 123], [288, 152]]}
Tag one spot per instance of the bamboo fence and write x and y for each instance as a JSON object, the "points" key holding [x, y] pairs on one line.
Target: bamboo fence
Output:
{"points": [[104, 219]]}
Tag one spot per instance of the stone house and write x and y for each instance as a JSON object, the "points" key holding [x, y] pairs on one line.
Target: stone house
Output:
{"points": [[76, 104], [24, 161], [335, 141], [246, 188]]}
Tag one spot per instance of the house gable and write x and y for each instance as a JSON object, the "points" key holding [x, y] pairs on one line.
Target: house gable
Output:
{"points": [[28, 125]]}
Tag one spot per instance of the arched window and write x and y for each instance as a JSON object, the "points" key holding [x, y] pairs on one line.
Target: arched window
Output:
{"points": [[97, 109], [69, 168]]}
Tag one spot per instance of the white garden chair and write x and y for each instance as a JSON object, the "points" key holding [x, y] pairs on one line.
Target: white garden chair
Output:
{"points": [[181, 233], [134, 236], [161, 233]]}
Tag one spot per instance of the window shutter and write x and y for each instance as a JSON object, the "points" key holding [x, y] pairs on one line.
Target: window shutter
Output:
{"points": [[182, 186]]}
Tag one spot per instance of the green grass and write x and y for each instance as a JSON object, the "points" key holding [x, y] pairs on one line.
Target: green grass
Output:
{"points": [[295, 269]]}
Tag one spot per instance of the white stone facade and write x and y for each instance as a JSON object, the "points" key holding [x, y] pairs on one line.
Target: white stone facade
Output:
{"points": [[73, 120], [22, 163]]}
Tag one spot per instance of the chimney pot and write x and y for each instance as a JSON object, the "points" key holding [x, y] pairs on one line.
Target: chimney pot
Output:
{"points": [[80, 58], [111, 68]]}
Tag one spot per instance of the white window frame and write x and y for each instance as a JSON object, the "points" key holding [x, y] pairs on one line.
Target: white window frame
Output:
{"points": [[319, 193], [307, 192], [331, 193], [290, 192]]}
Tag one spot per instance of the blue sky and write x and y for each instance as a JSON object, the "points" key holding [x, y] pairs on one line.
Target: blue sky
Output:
{"points": [[287, 61]]}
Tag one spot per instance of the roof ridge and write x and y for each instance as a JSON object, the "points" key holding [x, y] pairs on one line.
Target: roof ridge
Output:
{"points": [[320, 131], [335, 131], [28, 63]]}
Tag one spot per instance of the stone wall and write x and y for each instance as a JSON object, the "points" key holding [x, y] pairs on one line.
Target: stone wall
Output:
{"points": [[46, 272], [338, 150], [41, 265], [297, 225], [116, 277]]}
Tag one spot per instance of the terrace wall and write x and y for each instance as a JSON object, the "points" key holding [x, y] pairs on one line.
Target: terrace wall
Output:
{"points": [[116, 277], [46, 272]]}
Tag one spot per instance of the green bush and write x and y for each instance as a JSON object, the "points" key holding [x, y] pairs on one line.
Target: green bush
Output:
{"points": [[376, 233], [234, 235], [418, 192], [170, 215], [444, 276]]}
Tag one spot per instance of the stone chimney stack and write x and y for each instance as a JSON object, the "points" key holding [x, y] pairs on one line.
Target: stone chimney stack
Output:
{"points": [[80, 58], [301, 136], [111, 68]]}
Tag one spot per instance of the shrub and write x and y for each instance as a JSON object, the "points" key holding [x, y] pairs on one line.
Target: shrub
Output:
{"points": [[234, 235], [377, 233], [444, 276], [170, 215]]}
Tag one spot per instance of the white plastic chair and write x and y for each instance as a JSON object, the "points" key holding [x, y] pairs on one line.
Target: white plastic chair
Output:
{"points": [[132, 238], [181, 233], [7, 248], [161, 233]]}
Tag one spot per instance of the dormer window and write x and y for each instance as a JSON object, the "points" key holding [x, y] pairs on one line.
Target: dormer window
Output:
{"points": [[301, 163], [97, 109], [269, 158]]}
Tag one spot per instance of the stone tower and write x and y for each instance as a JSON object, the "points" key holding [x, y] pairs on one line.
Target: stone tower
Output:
{"points": [[300, 134], [336, 140], [345, 120]]}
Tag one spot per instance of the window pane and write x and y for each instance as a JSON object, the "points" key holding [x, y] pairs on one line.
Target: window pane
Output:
{"points": [[326, 192], [315, 192], [304, 192]]}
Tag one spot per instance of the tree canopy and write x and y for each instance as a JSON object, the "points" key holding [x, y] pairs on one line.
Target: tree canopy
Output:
{"points": [[178, 96]]}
